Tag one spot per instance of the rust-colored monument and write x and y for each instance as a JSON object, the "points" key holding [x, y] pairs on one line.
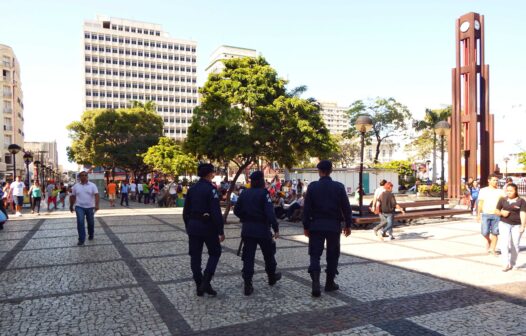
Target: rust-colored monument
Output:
{"points": [[472, 136]]}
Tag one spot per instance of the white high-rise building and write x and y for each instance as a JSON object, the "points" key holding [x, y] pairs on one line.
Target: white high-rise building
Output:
{"points": [[335, 117], [226, 52], [127, 60]]}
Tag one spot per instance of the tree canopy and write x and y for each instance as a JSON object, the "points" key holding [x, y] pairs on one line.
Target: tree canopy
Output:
{"points": [[390, 118], [114, 138], [168, 157]]}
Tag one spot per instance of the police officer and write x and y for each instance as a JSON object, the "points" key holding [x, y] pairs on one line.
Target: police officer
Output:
{"points": [[204, 225], [326, 205], [256, 211]]}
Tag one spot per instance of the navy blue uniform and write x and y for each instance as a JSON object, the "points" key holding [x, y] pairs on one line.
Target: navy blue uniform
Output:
{"points": [[204, 224], [326, 206], [256, 211]]}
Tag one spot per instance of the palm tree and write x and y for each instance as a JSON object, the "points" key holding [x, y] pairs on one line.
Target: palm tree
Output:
{"points": [[430, 119]]}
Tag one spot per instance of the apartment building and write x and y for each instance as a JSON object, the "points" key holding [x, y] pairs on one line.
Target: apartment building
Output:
{"points": [[126, 60], [215, 64], [335, 117], [12, 111]]}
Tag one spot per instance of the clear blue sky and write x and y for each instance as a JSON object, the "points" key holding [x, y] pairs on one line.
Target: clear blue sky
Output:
{"points": [[342, 50]]}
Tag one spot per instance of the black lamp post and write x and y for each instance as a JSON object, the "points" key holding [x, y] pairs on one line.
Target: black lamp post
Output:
{"points": [[506, 159], [14, 149], [363, 124], [37, 173], [442, 128], [28, 158]]}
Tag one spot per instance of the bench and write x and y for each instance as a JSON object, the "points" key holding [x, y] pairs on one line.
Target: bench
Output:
{"points": [[416, 204], [427, 213]]}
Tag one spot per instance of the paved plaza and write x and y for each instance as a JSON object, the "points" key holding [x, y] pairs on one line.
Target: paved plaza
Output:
{"points": [[134, 279]]}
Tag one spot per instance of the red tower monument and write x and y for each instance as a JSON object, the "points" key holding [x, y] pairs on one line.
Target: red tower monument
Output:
{"points": [[472, 136]]}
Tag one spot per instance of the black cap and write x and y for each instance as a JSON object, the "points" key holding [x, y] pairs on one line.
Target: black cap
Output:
{"points": [[204, 169], [256, 176], [325, 165]]}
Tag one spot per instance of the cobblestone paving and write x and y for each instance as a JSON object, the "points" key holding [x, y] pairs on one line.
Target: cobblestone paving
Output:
{"points": [[134, 279]]}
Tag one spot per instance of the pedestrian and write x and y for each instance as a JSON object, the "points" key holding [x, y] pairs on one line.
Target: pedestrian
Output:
{"points": [[62, 194], [385, 206], [326, 206], [475, 189], [85, 198], [204, 225], [512, 212], [125, 187], [377, 194], [133, 191], [49, 194], [36, 193], [17, 191], [2, 207], [146, 192], [256, 211], [111, 189], [140, 191], [487, 212]]}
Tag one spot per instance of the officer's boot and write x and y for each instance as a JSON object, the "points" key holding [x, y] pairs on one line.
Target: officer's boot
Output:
{"points": [[330, 285], [199, 292], [249, 289], [205, 285], [316, 290], [273, 278]]}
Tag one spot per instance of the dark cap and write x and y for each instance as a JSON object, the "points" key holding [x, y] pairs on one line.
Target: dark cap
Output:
{"points": [[325, 165], [204, 169], [256, 176]]}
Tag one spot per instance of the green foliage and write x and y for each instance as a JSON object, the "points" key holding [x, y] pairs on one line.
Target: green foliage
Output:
{"points": [[346, 153], [522, 158], [168, 157], [425, 143], [114, 138], [402, 167], [389, 118]]}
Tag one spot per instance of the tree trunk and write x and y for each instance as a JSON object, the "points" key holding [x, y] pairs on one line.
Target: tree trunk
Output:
{"points": [[231, 188], [378, 143], [434, 176]]}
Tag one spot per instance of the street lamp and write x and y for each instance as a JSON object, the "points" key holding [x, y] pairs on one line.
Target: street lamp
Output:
{"points": [[363, 124], [37, 165], [28, 158], [506, 159], [442, 128], [14, 149]]}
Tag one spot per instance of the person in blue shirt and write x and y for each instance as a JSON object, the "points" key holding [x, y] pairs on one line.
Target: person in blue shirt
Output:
{"points": [[204, 225], [256, 211], [326, 206]]}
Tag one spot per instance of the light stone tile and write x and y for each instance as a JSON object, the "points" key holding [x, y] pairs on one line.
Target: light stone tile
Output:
{"points": [[141, 228], [231, 307], [493, 318], [117, 312], [7, 245], [7, 235], [441, 246], [54, 242], [385, 251], [299, 257], [366, 330], [61, 279], [371, 282], [158, 248], [76, 254], [72, 232], [146, 237]]}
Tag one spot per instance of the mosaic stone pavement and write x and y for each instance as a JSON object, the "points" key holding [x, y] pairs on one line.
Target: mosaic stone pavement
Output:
{"points": [[134, 279]]}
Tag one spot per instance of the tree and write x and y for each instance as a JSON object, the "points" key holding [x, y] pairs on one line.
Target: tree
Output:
{"points": [[168, 157], [246, 114], [522, 158], [426, 142], [390, 118], [114, 138], [404, 168], [346, 153]]}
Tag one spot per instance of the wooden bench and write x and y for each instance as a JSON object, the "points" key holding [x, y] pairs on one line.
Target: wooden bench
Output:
{"points": [[417, 204]]}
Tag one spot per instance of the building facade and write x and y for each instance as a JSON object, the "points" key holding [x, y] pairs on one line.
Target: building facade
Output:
{"points": [[127, 60], [335, 117], [224, 52], [47, 154], [12, 110]]}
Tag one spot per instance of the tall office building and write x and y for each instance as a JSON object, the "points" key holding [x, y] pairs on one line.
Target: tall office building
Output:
{"points": [[226, 52], [335, 117], [128, 60], [12, 110]]}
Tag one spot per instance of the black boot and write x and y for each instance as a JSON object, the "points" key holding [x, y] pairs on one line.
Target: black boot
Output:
{"points": [[249, 289], [330, 285], [316, 290], [273, 278], [199, 292], [205, 285]]}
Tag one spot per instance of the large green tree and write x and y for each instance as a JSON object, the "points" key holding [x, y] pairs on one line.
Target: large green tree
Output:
{"points": [[114, 138], [390, 118], [168, 157], [246, 113]]}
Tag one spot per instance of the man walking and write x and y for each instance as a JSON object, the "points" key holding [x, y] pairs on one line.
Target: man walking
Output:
{"points": [[386, 205], [125, 187], [85, 198], [17, 190], [204, 225], [111, 188], [487, 212], [326, 205]]}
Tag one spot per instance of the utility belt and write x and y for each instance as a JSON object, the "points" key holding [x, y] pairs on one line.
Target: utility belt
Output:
{"points": [[201, 216]]}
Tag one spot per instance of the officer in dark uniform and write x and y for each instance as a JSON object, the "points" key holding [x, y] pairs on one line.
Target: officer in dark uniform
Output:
{"points": [[204, 225], [326, 206], [256, 211]]}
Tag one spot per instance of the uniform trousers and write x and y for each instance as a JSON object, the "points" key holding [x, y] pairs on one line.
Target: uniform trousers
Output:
{"points": [[268, 248], [316, 242], [195, 250]]}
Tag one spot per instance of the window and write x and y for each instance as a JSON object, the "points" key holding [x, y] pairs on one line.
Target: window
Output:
{"points": [[86, 47], [133, 30], [86, 35], [139, 30]]}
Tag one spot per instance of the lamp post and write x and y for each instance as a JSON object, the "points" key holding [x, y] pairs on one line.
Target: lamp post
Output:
{"points": [[28, 158], [506, 159], [442, 128], [37, 173], [363, 124], [14, 149]]}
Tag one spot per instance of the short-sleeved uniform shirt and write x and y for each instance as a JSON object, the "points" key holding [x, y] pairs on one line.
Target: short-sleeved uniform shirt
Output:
{"points": [[490, 197], [514, 207]]}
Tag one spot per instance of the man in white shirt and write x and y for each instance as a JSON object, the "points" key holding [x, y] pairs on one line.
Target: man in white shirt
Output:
{"points": [[133, 191], [377, 193], [139, 191], [486, 212], [85, 198], [17, 190]]}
